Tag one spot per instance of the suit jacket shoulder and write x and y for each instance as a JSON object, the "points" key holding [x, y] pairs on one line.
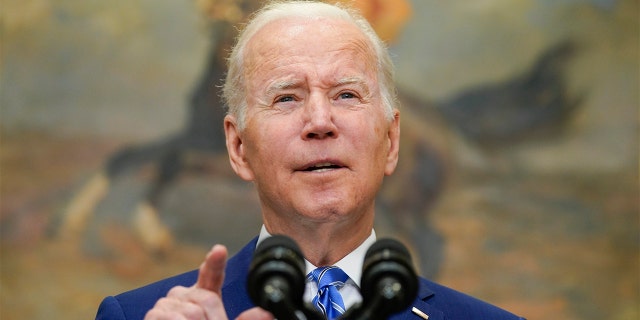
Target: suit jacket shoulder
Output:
{"points": [[134, 304], [440, 302]]}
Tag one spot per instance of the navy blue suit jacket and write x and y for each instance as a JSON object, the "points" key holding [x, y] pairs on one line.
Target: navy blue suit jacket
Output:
{"points": [[437, 301]]}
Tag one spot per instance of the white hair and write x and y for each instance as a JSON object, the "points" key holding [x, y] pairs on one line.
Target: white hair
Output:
{"points": [[234, 89]]}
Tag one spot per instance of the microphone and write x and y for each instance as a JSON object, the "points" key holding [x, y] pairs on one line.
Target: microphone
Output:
{"points": [[276, 279], [389, 282]]}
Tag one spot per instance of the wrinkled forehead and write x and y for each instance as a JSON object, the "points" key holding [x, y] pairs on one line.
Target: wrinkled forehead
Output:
{"points": [[306, 36]]}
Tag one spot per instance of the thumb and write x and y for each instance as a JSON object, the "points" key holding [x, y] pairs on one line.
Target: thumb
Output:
{"points": [[211, 272]]}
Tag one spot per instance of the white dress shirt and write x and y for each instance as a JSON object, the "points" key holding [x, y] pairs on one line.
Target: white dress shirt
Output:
{"points": [[350, 264]]}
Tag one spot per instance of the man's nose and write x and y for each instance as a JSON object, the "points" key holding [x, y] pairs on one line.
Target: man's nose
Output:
{"points": [[319, 119]]}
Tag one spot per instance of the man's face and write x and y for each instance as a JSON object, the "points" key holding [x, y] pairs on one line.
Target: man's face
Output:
{"points": [[316, 142]]}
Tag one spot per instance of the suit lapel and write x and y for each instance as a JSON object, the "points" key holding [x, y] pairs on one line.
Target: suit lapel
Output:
{"points": [[418, 309], [421, 307], [234, 290]]}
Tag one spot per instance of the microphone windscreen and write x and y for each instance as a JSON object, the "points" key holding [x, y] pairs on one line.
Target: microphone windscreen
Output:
{"points": [[277, 261], [389, 282]]}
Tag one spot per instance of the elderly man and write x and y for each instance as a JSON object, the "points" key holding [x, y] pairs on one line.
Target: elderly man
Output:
{"points": [[312, 123]]}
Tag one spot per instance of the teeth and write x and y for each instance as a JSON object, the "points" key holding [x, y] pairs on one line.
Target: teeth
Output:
{"points": [[323, 165]]}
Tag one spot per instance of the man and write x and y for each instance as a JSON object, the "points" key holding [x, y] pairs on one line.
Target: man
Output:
{"points": [[312, 123]]}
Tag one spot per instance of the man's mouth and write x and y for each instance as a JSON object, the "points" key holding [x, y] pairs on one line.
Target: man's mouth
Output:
{"points": [[322, 167]]}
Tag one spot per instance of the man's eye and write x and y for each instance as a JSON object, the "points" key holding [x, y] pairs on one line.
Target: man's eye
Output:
{"points": [[285, 99], [347, 95]]}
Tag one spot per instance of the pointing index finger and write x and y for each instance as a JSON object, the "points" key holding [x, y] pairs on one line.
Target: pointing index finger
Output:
{"points": [[211, 273]]}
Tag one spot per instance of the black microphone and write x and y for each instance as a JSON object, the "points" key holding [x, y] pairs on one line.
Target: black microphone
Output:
{"points": [[389, 283], [276, 279]]}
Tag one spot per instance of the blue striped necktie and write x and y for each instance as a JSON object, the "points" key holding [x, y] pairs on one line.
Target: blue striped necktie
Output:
{"points": [[328, 300]]}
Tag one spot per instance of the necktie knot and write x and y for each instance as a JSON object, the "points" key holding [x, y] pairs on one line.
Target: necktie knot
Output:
{"points": [[328, 300]]}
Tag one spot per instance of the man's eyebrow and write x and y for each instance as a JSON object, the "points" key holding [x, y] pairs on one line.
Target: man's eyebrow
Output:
{"points": [[351, 80], [359, 81], [281, 85]]}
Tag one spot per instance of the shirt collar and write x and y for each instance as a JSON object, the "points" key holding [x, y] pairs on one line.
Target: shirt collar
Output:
{"points": [[351, 264]]}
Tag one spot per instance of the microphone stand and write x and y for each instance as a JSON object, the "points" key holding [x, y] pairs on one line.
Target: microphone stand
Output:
{"points": [[276, 298]]}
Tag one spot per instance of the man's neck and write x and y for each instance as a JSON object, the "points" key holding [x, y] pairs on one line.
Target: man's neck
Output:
{"points": [[326, 244]]}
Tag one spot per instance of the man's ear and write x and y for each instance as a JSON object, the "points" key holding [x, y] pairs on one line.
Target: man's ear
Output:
{"points": [[394, 143], [235, 148]]}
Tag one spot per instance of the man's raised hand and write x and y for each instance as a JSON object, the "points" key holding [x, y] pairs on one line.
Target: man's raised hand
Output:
{"points": [[203, 300]]}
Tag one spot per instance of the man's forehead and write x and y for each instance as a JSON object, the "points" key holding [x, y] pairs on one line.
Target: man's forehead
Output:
{"points": [[291, 40], [300, 29]]}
